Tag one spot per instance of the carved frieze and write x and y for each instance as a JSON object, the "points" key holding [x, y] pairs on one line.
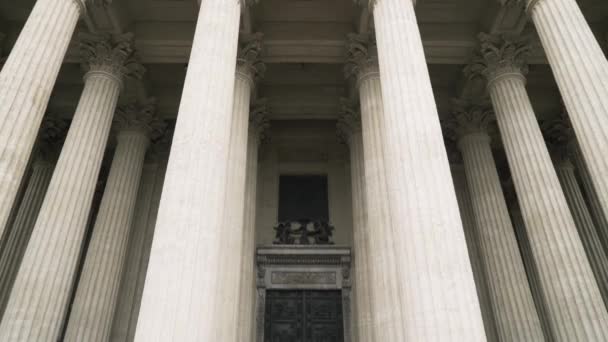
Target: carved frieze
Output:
{"points": [[302, 278]]}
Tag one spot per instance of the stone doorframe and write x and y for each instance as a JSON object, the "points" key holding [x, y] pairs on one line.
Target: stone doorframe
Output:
{"points": [[303, 267]]}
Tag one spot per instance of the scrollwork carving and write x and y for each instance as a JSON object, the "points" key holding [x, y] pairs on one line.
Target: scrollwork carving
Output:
{"points": [[303, 232]]}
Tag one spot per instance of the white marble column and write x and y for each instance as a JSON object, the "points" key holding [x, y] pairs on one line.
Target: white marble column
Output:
{"points": [[470, 231], [258, 123], [349, 129], [593, 201], [560, 140], [181, 292], [41, 292], [249, 69], [574, 303], [140, 242], [581, 70], [436, 297], [514, 310], [97, 291], [26, 82], [530, 264], [49, 143], [362, 64]]}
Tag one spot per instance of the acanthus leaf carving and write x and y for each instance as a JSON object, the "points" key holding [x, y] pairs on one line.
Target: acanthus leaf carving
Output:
{"points": [[362, 55], [249, 55], [140, 117], [470, 116], [498, 55], [349, 120], [259, 123], [110, 54]]}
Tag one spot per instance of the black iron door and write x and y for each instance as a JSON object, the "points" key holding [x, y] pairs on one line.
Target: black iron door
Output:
{"points": [[303, 316]]}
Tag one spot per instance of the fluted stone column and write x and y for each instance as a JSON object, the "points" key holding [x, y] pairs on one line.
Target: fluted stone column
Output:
{"points": [[258, 123], [349, 128], [41, 292], [560, 140], [249, 69], [574, 303], [470, 231], [530, 264], [140, 241], [26, 82], [581, 70], [49, 143], [600, 220], [181, 292], [432, 277], [97, 291], [514, 310], [362, 64]]}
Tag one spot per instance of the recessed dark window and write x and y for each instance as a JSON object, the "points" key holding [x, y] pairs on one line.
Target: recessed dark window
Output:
{"points": [[303, 197]]}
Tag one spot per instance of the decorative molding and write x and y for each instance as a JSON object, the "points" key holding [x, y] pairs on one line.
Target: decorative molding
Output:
{"points": [[470, 116], [499, 55], [349, 121], [139, 117], [112, 55], [302, 278]]}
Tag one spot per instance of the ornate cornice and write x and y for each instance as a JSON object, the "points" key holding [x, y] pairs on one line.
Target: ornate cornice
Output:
{"points": [[135, 117], [259, 123], [249, 62], [499, 56], [111, 55], [362, 57], [470, 117], [349, 121]]}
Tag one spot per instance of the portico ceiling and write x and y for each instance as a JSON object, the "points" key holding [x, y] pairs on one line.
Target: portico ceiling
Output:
{"points": [[304, 48]]}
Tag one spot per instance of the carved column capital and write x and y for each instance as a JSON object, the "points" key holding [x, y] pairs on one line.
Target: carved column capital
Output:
{"points": [[362, 57], [500, 56], [140, 118], [258, 120], [559, 136], [111, 55], [52, 135], [470, 117], [349, 121], [249, 62], [161, 146]]}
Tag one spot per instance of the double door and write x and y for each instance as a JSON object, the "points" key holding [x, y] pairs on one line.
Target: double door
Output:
{"points": [[303, 316]]}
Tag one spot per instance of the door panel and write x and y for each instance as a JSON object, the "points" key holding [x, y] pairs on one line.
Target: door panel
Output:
{"points": [[303, 316]]}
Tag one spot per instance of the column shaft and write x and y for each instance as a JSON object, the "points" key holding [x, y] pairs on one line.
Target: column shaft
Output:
{"points": [[140, 240], [26, 82], [514, 310], [592, 198], [247, 294], [381, 266], [477, 262], [96, 294], [234, 208], [180, 296], [19, 236], [433, 277], [531, 270], [39, 300], [574, 303], [581, 72], [584, 223], [360, 236]]}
